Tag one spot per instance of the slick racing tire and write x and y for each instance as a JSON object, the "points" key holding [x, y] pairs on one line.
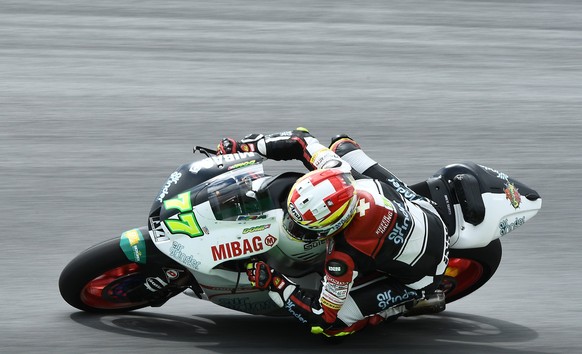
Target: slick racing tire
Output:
{"points": [[470, 269], [102, 279]]}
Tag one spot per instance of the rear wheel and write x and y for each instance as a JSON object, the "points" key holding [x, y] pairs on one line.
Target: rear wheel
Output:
{"points": [[470, 269], [102, 279]]}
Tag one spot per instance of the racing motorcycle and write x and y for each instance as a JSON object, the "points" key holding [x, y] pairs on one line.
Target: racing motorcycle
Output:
{"points": [[215, 214]]}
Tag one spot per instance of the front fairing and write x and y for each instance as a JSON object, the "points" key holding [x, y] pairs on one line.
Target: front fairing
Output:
{"points": [[190, 175], [207, 213], [212, 215]]}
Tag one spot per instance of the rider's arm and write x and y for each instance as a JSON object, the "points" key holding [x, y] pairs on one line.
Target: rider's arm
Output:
{"points": [[319, 310], [297, 144]]}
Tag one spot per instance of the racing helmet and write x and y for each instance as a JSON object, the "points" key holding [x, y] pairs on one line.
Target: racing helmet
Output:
{"points": [[320, 203]]}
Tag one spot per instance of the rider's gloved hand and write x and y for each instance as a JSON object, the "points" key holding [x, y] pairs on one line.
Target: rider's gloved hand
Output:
{"points": [[262, 276], [246, 144], [226, 146]]}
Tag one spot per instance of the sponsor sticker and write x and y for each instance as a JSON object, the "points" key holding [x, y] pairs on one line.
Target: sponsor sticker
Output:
{"points": [[154, 284], [172, 274], [336, 267], [270, 240], [387, 299], [314, 244], [243, 247], [185, 259], [402, 227], [323, 157], [133, 245], [329, 304], [334, 292], [403, 189], [173, 179], [512, 194], [500, 175], [506, 227], [290, 307], [384, 223], [250, 217], [219, 160], [256, 228], [242, 164], [293, 210]]}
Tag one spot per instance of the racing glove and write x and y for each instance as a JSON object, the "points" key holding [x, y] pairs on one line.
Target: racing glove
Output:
{"points": [[262, 276], [246, 144]]}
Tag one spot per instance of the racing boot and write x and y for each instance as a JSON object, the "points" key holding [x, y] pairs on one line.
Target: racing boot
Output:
{"points": [[342, 331], [351, 152], [434, 303], [342, 144]]}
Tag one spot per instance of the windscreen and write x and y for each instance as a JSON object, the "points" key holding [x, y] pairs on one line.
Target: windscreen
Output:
{"points": [[231, 196]]}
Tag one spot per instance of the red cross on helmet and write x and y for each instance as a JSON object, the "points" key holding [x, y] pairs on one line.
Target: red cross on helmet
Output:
{"points": [[323, 201]]}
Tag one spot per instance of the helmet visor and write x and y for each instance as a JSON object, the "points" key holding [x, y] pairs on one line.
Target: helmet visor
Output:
{"points": [[301, 233]]}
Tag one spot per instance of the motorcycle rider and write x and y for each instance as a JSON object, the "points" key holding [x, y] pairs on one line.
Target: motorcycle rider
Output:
{"points": [[386, 246]]}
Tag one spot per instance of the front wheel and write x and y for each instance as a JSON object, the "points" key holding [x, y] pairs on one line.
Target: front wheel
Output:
{"points": [[102, 279], [470, 269]]}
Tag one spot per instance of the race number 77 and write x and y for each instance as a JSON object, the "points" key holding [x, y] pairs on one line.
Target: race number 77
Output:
{"points": [[187, 223]]}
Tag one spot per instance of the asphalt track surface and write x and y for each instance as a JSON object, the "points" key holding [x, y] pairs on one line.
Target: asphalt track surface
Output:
{"points": [[100, 101]]}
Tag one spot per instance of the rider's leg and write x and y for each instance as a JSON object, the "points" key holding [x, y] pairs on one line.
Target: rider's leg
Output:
{"points": [[386, 297], [376, 300], [351, 152], [382, 299]]}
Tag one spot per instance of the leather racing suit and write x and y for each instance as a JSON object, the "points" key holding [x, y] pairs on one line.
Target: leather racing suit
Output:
{"points": [[394, 251]]}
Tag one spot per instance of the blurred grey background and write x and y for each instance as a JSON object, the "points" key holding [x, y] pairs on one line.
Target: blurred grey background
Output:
{"points": [[101, 101]]}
